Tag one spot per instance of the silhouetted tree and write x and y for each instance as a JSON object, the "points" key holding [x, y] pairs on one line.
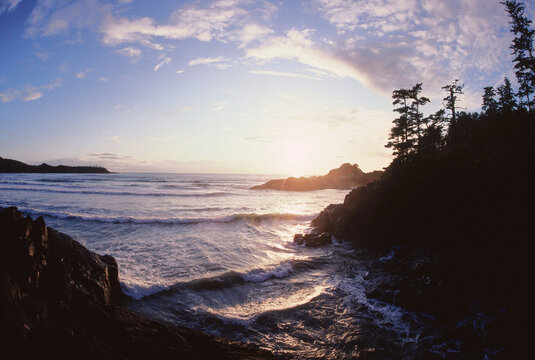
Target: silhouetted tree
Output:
{"points": [[432, 140], [451, 103], [490, 105], [506, 101], [522, 47], [400, 135], [416, 115]]}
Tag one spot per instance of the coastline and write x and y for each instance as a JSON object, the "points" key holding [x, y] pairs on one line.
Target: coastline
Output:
{"points": [[61, 300]]}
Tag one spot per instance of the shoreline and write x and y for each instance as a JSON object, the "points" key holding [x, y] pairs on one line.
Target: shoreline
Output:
{"points": [[63, 301]]}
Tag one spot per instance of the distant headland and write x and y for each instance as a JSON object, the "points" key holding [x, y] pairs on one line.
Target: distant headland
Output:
{"points": [[14, 166], [346, 176]]}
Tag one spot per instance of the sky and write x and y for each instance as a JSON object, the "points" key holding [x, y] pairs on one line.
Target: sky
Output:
{"points": [[233, 86]]}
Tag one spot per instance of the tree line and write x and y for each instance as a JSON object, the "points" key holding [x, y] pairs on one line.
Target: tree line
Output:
{"points": [[504, 112]]}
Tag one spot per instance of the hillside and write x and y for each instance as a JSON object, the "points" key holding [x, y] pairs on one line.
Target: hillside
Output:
{"points": [[14, 166]]}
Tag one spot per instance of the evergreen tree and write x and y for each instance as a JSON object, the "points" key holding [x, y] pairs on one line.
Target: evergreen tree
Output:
{"points": [[506, 101], [522, 47], [416, 115], [401, 133], [451, 103], [451, 99], [490, 105]]}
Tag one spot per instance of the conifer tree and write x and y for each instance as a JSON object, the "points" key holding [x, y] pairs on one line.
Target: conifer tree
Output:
{"points": [[400, 135], [417, 116], [490, 105], [506, 101], [522, 47]]}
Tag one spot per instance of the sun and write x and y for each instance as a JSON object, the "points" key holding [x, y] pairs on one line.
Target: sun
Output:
{"points": [[296, 156]]}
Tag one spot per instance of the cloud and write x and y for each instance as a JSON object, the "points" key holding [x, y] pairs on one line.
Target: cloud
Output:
{"points": [[298, 46], [54, 17], [82, 74], [8, 5], [222, 20], [219, 62], [164, 60], [282, 73], [252, 32], [396, 43], [43, 55], [103, 79], [32, 94], [9, 95], [179, 71], [218, 105], [129, 51], [112, 138], [109, 156]]}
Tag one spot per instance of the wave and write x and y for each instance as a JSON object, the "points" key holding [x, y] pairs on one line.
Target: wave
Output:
{"points": [[118, 193], [255, 218], [222, 281]]}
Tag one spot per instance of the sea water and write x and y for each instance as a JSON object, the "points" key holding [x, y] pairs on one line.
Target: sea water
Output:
{"points": [[206, 252]]}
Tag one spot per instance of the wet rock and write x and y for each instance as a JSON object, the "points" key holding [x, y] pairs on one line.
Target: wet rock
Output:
{"points": [[313, 239]]}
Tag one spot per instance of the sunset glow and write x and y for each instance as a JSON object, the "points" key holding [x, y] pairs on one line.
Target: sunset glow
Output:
{"points": [[223, 86]]}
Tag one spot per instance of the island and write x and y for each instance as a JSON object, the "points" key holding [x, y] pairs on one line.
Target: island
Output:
{"points": [[345, 177], [14, 166]]}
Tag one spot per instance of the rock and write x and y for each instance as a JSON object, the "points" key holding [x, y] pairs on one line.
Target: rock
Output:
{"points": [[346, 176], [313, 239], [59, 300]]}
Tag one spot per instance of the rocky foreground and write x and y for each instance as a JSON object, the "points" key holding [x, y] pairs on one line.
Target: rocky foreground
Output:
{"points": [[59, 300], [346, 176]]}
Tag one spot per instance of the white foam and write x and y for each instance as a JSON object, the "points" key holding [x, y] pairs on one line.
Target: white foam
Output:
{"points": [[261, 275]]}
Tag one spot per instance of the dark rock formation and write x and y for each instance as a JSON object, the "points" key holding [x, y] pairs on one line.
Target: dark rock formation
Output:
{"points": [[14, 166], [346, 176], [460, 237], [313, 239], [59, 300]]}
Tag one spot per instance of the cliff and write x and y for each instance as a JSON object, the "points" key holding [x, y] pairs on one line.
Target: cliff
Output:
{"points": [[346, 176], [14, 166], [59, 300]]}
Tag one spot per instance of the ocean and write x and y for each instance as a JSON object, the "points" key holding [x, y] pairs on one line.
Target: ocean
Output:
{"points": [[206, 252]]}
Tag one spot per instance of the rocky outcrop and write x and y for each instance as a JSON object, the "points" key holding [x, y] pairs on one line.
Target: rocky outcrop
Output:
{"points": [[313, 239], [14, 166], [59, 300], [346, 176]]}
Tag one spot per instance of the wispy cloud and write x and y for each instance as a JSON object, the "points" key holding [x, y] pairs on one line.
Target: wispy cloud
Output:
{"points": [[283, 73], [9, 95], [55, 84], [129, 51], [103, 79], [43, 55], [82, 74], [218, 105], [298, 46], [218, 62], [32, 94], [164, 60], [8, 5], [179, 71], [112, 138], [394, 43]]}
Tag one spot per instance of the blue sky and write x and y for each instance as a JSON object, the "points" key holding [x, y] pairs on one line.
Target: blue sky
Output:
{"points": [[232, 86]]}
